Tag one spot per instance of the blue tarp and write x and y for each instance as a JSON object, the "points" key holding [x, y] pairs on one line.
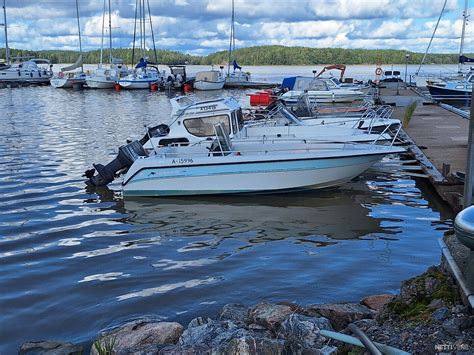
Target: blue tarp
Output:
{"points": [[289, 83]]}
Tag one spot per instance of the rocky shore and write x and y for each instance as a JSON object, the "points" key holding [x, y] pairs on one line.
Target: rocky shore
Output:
{"points": [[427, 317]]}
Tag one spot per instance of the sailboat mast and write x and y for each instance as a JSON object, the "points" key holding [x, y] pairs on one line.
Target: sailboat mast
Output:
{"points": [[110, 34], [7, 49], [102, 39], [134, 32], [152, 34], [79, 30], [461, 48], [231, 41]]}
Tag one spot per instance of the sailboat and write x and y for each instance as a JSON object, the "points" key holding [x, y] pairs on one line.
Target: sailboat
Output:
{"points": [[454, 88], [238, 78], [145, 73], [67, 78], [23, 71], [106, 77]]}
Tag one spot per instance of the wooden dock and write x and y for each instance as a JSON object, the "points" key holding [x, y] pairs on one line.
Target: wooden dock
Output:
{"points": [[440, 140]]}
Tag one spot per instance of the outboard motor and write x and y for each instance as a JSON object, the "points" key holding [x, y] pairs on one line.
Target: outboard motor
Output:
{"points": [[126, 156]]}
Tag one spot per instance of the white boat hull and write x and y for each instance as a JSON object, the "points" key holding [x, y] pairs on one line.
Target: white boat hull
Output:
{"points": [[208, 85], [136, 84], [336, 96], [236, 174], [100, 84]]}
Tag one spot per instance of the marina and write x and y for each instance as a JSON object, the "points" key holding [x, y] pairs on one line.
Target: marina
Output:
{"points": [[208, 191]]}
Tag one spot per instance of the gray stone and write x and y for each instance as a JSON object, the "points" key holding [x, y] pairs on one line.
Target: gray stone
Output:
{"points": [[341, 314], [237, 313], [365, 324], [303, 333], [440, 314], [377, 302], [49, 348], [252, 345], [139, 334], [450, 327], [466, 323], [185, 350], [436, 303], [269, 315], [211, 333]]}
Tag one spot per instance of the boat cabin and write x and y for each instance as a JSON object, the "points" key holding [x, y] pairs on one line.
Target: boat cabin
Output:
{"points": [[304, 83], [194, 121]]}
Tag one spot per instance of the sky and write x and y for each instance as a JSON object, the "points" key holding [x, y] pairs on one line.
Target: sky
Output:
{"points": [[200, 27]]}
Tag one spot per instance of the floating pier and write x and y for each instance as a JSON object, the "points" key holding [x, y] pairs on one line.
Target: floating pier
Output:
{"points": [[437, 138]]}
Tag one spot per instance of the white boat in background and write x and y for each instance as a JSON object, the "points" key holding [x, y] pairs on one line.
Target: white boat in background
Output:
{"points": [[105, 77], [209, 80], [318, 91], [237, 78], [69, 77], [25, 69], [29, 72], [142, 77], [248, 166], [145, 73]]}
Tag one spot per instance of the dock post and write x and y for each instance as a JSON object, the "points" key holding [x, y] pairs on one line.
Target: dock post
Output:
{"points": [[469, 179]]}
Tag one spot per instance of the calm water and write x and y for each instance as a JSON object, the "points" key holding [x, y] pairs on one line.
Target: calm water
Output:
{"points": [[74, 261]]}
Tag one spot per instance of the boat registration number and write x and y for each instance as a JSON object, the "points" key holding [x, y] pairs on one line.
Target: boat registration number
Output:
{"points": [[208, 108], [182, 161]]}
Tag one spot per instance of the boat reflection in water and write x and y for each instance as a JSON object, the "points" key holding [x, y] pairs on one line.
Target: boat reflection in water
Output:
{"points": [[312, 217]]}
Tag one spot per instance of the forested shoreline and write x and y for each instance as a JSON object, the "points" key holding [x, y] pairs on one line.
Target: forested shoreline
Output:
{"points": [[261, 55]]}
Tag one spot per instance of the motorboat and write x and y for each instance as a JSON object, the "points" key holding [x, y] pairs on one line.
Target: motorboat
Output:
{"points": [[318, 91], [209, 80], [23, 70], [365, 116], [248, 166], [452, 90], [31, 71], [193, 121], [143, 76], [241, 79]]}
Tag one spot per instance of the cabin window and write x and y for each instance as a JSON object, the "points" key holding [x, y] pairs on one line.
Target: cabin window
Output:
{"points": [[318, 85], [204, 126], [240, 119]]}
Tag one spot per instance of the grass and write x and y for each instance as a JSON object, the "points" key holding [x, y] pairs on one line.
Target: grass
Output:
{"points": [[409, 113], [105, 346]]}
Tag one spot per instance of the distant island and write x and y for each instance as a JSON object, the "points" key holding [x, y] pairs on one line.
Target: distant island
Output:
{"points": [[259, 55]]}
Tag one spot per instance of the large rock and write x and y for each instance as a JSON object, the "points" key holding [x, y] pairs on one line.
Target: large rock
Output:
{"points": [[251, 345], [49, 348], [377, 302], [138, 335], [236, 313], [302, 333], [341, 314], [223, 337], [269, 315]]}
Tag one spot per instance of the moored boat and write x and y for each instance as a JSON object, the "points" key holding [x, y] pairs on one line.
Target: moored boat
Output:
{"points": [[248, 166], [209, 80]]}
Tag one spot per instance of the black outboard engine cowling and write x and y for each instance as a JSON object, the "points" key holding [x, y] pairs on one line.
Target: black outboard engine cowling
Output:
{"points": [[126, 156]]}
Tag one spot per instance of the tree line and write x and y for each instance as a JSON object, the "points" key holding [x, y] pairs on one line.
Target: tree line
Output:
{"points": [[260, 55]]}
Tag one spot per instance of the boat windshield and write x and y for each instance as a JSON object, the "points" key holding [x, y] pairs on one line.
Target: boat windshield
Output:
{"points": [[318, 85], [204, 126], [289, 116], [237, 121]]}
